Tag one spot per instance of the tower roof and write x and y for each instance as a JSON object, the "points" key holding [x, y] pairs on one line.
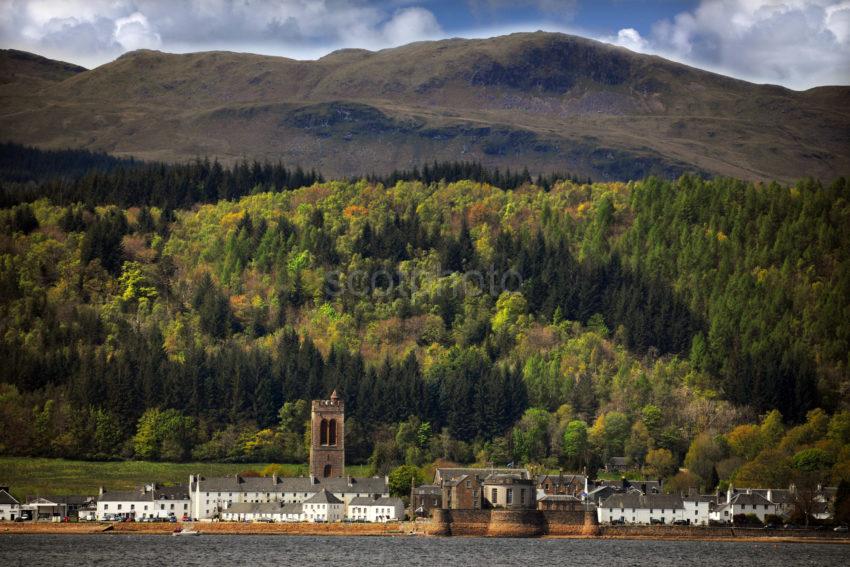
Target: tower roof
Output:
{"points": [[334, 395]]}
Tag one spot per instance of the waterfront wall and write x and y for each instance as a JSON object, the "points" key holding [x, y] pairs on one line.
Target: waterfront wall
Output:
{"points": [[569, 523], [510, 523], [704, 533]]}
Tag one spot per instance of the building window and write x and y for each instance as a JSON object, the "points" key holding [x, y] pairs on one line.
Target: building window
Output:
{"points": [[332, 432], [132, 506], [521, 495], [119, 506], [509, 496], [469, 484], [493, 495]]}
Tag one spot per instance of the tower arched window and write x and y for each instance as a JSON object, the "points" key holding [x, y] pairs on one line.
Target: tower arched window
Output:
{"points": [[327, 471], [323, 432], [332, 432]]}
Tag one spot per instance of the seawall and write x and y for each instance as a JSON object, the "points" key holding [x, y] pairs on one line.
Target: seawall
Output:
{"points": [[511, 523], [223, 528]]}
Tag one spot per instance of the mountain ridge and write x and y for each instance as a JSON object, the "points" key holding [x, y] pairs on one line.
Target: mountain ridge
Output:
{"points": [[542, 100]]}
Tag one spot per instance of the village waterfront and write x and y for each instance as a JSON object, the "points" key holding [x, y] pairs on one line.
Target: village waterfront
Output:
{"points": [[60, 550]]}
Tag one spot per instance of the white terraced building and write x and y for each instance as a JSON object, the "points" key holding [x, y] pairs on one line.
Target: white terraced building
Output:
{"points": [[743, 503], [264, 512], [149, 501], [697, 508], [636, 508], [212, 496], [384, 509], [322, 507]]}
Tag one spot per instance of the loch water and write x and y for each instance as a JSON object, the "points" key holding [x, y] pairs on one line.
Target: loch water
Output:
{"points": [[225, 550]]}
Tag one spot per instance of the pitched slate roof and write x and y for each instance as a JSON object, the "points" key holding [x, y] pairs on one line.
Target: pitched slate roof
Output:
{"points": [[427, 489], [710, 498], [501, 479], [647, 501], [455, 481], [323, 497], [780, 496], [178, 492], [449, 473], [382, 501], [6, 498], [750, 499], [559, 498], [303, 484], [645, 486]]}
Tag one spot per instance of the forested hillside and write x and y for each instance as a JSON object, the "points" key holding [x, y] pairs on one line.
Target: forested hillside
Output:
{"points": [[700, 323]]}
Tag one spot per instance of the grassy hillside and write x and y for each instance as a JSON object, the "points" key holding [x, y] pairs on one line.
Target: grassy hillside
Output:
{"points": [[33, 476], [543, 101]]}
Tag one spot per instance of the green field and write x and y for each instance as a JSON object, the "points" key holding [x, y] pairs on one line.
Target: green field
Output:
{"points": [[31, 477]]}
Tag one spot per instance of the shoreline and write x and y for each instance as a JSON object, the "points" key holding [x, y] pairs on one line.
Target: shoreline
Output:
{"points": [[398, 529]]}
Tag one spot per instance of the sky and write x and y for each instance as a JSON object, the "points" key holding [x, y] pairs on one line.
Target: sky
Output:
{"points": [[795, 43]]}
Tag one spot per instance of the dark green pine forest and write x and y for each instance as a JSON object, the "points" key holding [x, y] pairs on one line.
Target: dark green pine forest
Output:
{"points": [[698, 327]]}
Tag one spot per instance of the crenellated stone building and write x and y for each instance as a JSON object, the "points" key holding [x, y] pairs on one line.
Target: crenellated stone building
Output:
{"points": [[327, 445]]}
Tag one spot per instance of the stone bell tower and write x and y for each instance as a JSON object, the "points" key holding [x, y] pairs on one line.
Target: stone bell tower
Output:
{"points": [[327, 443]]}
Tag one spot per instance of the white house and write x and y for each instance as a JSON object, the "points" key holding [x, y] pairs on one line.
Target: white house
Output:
{"points": [[637, 508], [211, 496], [10, 508], [263, 512], [743, 503], [383, 509], [149, 501], [323, 507], [697, 508]]}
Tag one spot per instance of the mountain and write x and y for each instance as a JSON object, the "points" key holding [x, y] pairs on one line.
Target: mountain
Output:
{"points": [[21, 73], [542, 100]]}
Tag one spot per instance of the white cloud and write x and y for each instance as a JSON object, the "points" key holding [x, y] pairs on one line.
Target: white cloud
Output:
{"points": [[796, 43], [631, 39], [93, 32], [411, 24], [134, 32]]}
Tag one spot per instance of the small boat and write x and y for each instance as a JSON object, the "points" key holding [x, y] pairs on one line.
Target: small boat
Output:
{"points": [[186, 532]]}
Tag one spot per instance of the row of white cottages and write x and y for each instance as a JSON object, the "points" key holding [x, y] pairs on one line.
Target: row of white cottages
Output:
{"points": [[637, 508], [256, 498]]}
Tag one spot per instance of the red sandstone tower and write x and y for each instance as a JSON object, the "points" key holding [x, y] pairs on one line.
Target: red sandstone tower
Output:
{"points": [[327, 444]]}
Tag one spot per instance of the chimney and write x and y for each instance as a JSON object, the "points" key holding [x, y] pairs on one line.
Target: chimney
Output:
{"points": [[729, 494], [350, 483], [770, 494], [274, 478], [100, 491]]}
